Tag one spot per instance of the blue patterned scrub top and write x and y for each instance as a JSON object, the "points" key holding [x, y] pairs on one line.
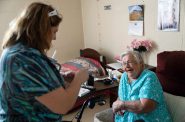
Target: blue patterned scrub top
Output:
{"points": [[24, 74], [146, 86]]}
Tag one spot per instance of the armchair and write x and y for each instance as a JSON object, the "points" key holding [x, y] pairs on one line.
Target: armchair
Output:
{"points": [[176, 106], [170, 71]]}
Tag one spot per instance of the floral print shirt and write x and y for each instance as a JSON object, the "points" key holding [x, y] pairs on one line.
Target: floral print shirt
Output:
{"points": [[146, 86], [24, 74]]}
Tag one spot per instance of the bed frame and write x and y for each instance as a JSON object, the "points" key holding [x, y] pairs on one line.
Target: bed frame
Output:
{"points": [[91, 53]]}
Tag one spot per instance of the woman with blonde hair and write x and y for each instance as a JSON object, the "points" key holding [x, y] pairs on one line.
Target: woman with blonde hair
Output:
{"points": [[31, 87]]}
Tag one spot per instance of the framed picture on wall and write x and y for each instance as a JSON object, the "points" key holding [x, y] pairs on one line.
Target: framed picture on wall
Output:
{"points": [[136, 20], [168, 15]]}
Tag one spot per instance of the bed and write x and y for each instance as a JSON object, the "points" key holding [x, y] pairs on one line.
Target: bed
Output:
{"points": [[90, 59]]}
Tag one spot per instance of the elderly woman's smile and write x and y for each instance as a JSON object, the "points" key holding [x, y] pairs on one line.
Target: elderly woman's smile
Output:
{"points": [[132, 66]]}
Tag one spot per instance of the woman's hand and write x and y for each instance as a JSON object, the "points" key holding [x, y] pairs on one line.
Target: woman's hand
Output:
{"points": [[118, 107], [69, 76], [81, 76], [136, 106], [67, 96]]}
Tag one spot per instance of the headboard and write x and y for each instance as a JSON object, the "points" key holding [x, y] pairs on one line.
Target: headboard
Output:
{"points": [[91, 53]]}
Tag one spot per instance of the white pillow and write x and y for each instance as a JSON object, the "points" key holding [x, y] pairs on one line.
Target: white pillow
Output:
{"points": [[176, 106]]}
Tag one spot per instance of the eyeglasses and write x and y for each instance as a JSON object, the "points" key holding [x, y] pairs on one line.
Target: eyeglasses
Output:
{"points": [[128, 63]]}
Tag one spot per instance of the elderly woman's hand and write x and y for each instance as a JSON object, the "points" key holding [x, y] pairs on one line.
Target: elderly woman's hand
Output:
{"points": [[118, 107]]}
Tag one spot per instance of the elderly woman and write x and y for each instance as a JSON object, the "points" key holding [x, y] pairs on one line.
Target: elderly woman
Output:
{"points": [[140, 95]]}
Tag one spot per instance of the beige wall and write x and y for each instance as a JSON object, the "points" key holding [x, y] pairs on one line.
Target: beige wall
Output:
{"points": [[70, 36], [103, 30], [106, 30]]}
